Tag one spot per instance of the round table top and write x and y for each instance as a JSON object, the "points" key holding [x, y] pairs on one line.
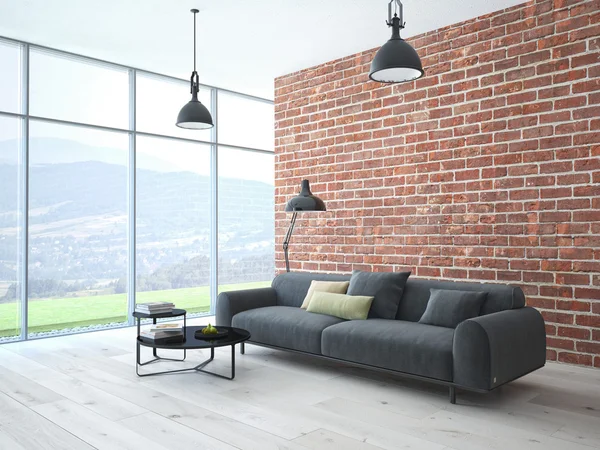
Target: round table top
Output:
{"points": [[174, 313], [235, 336]]}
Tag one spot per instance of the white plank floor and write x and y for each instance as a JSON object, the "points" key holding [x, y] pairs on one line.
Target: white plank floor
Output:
{"points": [[81, 392]]}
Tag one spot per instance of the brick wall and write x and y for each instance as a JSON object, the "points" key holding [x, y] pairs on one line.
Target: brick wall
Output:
{"points": [[486, 169]]}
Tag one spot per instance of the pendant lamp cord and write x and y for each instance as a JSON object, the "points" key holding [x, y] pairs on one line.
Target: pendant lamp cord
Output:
{"points": [[194, 41], [194, 81]]}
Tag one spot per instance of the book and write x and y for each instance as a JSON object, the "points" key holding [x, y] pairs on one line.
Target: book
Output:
{"points": [[167, 327], [161, 334], [154, 311], [154, 306], [164, 340]]}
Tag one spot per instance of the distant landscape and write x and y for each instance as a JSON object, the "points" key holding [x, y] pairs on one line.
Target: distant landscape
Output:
{"points": [[75, 312], [78, 229]]}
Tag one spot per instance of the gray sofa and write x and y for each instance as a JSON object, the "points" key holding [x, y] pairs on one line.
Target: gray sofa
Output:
{"points": [[505, 342]]}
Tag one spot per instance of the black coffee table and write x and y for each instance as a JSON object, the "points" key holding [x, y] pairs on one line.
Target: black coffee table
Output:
{"points": [[235, 336]]}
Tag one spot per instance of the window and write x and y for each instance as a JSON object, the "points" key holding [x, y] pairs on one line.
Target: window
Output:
{"points": [[173, 222], [76, 90], [10, 226], [77, 227], [246, 219], [245, 122], [10, 77], [158, 102], [75, 170]]}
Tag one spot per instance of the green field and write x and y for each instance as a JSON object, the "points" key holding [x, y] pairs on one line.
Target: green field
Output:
{"points": [[61, 313]]}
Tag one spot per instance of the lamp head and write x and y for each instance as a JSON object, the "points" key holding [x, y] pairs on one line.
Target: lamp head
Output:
{"points": [[194, 115], [305, 201]]}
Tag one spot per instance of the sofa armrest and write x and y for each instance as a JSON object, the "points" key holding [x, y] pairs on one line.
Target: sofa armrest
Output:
{"points": [[233, 302], [494, 349]]}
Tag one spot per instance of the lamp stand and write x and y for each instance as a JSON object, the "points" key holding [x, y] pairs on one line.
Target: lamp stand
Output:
{"points": [[286, 241]]}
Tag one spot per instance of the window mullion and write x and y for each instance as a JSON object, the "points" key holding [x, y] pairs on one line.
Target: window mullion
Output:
{"points": [[131, 183], [214, 204], [24, 195]]}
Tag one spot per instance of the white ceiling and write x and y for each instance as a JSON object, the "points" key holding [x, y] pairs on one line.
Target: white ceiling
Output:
{"points": [[243, 44]]}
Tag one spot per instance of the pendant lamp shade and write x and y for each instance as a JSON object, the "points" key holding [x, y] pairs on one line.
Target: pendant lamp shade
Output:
{"points": [[396, 61], [305, 201], [194, 115]]}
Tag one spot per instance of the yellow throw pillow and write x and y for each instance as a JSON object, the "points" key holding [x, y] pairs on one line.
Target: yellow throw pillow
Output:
{"points": [[351, 307], [337, 287]]}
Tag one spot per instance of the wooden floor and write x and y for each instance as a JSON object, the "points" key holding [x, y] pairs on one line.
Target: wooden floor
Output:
{"points": [[81, 392]]}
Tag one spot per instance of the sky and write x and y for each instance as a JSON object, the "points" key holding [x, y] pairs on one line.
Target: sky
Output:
{"points": [[64, 88]]}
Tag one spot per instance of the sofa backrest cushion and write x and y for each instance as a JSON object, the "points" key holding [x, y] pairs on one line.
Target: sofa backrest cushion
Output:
{"points": [[292, 287], [416, 295], [386, 287]]}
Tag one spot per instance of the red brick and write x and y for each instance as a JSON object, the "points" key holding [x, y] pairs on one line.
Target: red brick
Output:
{"points": [[588, 321], [574, 333], [573, 305], [588, 347], [564, 344], [593, 294], [556, 317], [575, 358]]}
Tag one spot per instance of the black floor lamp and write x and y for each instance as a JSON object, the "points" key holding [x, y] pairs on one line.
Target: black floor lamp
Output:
{"points": [[303, 202]]}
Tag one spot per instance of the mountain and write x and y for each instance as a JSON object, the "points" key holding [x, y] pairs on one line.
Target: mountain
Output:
{"points": [[48, 150], [79, 207]]}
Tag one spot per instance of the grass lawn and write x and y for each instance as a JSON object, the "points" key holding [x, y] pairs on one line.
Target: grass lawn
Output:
{"points": [[60, 313]]}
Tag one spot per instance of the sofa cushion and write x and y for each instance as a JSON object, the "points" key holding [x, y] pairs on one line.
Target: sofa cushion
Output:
{"points": [[386, 287], [407, 347], [285, 326], [351, 307], [337, 287], [448, 307], [291, 287], [500, 297]]}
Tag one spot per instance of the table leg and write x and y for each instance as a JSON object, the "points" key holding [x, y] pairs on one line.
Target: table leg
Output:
{"points": [[198, 368], [233, 361], [154, 349], [156, 358]]}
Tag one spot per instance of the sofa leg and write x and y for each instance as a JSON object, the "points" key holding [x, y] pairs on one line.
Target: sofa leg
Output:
{"points": [[242, 348], [452, 395]]}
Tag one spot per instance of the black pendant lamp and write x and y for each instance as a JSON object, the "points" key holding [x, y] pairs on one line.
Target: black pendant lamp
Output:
{"points": [[303, 202], [194, 115], [396, 61]]}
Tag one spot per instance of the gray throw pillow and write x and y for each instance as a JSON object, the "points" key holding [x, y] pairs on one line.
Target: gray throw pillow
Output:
{"points": [[448, 307], [386, 287]]}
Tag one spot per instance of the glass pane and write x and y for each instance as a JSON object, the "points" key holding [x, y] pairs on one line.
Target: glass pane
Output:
{"points": [[10, 77], [77, 227], [78, 90], [158, 102], [245, 122], [10, 230], [173, 223], [246, 219]]}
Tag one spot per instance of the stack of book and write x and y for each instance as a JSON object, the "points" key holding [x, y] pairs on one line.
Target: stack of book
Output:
{"points": [[164, 333], [154, 307]]}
